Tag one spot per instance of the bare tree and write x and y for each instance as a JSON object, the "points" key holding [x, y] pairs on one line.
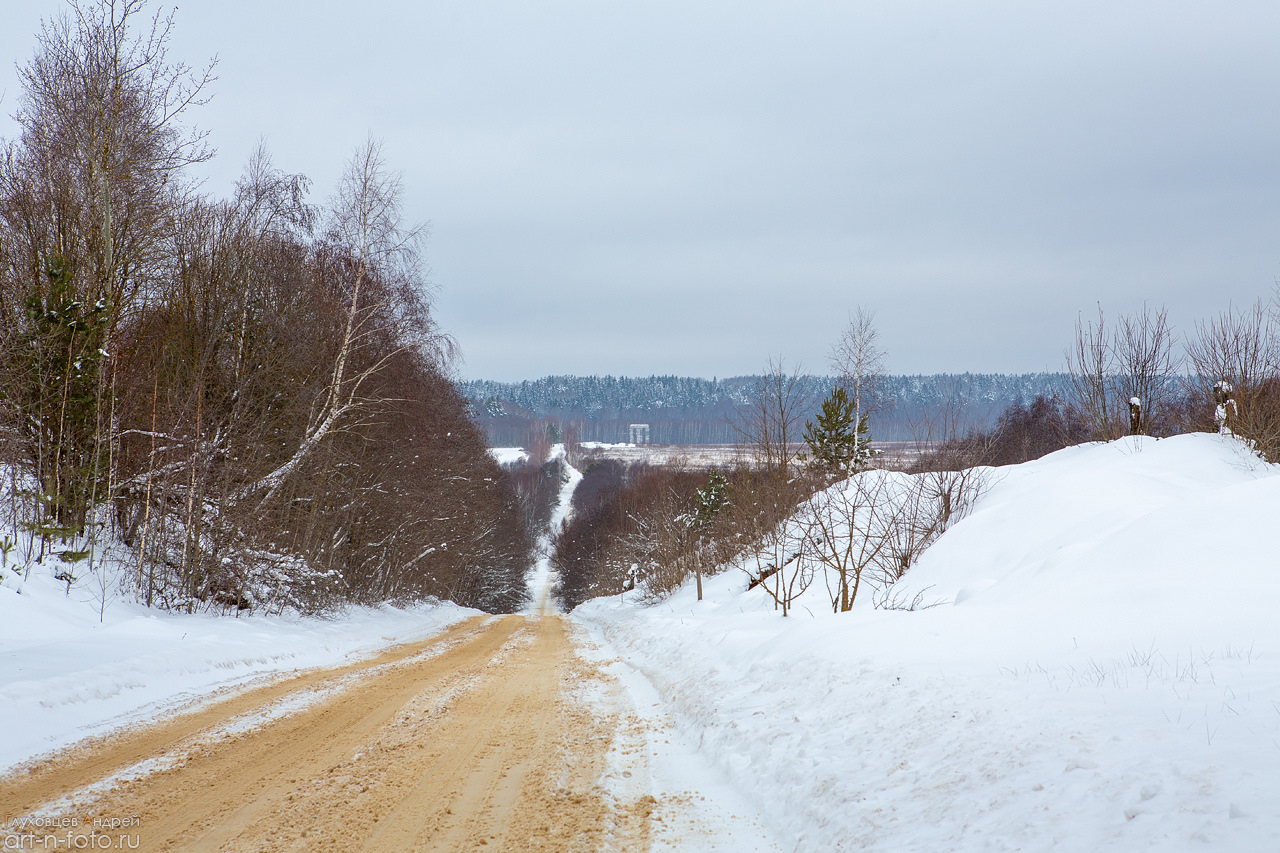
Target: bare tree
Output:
{"points": [[857, 359], [846, 528], [1127, 371], [102, 146], [87, 196], [1091, 369], [769, 428], [374, 259], [1146, 364], [769, 431], [780, 569]]}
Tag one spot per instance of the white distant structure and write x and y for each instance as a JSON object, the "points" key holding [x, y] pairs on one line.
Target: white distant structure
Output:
{"points": [[638, 434]]}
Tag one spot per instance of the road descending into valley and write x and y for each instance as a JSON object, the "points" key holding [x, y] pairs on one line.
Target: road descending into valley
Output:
{"points": [[474, 739], [503, 733]]}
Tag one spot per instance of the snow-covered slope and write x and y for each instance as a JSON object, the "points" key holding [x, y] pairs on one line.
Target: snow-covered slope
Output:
{"points": [[1102, 671]]}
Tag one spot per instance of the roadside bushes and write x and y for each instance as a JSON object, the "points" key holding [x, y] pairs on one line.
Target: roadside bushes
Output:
{"points": [[632, 527], [536, 485]]}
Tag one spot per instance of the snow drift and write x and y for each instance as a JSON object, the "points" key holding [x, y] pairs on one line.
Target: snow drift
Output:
{"points": [[1101, 671]]}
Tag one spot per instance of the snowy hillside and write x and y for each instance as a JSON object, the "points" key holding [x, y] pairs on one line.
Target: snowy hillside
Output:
{"points": [[1102, 671]]}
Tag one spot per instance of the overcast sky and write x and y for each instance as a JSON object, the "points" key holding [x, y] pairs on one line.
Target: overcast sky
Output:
{"points": [[692, 187]]}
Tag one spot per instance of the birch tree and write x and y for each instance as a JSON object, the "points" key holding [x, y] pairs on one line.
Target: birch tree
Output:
{"points": [[372, 258], [858, 361]]}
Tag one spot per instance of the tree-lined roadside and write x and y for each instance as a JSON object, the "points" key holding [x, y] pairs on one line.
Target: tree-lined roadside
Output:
{"points": [[223, 403]]}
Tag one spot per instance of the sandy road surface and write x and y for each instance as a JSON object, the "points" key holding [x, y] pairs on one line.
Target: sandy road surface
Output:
{"points": [[470, 740]]}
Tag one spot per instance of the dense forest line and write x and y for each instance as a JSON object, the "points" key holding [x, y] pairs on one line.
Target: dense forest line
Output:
{"points": [[690, 410], [236, 402]]}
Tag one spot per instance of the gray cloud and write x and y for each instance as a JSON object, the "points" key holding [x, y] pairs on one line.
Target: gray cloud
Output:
{"points": [[691, 187]]}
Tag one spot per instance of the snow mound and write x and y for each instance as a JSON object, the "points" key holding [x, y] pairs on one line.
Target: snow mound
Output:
{"points": [[1102, 671], [1138, 539]]}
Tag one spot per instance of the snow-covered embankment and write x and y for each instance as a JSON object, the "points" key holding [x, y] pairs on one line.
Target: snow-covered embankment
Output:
{"points": [[1102, 673], [66, 673]]}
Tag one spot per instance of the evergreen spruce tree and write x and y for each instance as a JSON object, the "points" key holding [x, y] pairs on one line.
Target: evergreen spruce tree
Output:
{"points": [[56, 385], [711, 498], [835, 444]]}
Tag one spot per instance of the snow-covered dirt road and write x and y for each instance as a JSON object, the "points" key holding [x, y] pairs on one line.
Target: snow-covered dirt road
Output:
{"points": [[446, 743], [429, 728], [494, 734], [466, 739]]}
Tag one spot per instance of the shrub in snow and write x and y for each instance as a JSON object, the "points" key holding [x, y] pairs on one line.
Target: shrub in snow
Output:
{"points": [[864, 532]]}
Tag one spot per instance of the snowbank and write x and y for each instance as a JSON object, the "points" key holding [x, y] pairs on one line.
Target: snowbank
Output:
{"points": [[1102, 671], [66, 675]]}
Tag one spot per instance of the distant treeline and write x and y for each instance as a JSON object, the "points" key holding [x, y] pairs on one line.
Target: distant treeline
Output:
{"points": [[691, 410]]}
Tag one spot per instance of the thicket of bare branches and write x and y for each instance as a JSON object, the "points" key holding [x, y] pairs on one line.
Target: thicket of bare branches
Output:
{"points": [[1026, 432], [1239, 353], [632, 527], [1124, 380], [869, 531], [843, 531], [250, 393]]}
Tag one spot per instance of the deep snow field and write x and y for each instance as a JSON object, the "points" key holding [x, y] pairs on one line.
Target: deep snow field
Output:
{"points": [[1102, 671]]}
